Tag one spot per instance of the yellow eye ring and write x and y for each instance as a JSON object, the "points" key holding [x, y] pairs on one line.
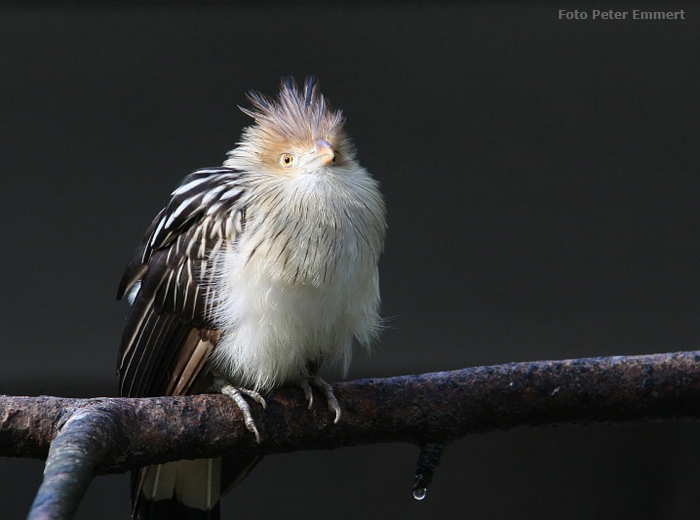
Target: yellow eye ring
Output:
{"points": [[287, 159]]}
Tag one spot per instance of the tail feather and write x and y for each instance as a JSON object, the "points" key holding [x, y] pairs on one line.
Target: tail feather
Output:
{"points": [[184, 489], [198, 483]]}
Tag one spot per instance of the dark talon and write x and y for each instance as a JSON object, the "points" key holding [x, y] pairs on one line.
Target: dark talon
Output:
{"points": [[327, 391]]}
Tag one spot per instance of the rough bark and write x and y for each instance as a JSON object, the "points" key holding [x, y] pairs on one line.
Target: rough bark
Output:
{"points": [[84, 437]]}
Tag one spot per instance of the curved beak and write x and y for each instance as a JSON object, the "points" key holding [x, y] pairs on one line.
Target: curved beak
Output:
{"points": [[325, 151]]}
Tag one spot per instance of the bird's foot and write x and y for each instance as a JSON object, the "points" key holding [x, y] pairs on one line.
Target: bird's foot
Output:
{"points": [[236, 393], [322, 386]]}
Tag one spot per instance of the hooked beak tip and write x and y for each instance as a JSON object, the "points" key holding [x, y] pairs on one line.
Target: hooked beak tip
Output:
{"points": [[325, 150]]}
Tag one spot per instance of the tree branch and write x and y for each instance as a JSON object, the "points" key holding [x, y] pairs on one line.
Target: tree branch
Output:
{"points": [[109, 435], [83, 441]]}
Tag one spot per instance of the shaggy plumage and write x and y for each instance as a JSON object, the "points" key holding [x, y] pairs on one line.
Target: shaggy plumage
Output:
{"points": [[259, 271]]}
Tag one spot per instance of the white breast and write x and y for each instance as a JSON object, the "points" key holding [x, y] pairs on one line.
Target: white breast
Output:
{"points": [[299, 284]]}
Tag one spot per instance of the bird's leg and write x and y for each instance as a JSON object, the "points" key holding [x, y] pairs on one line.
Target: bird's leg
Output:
{"points": [[236, 393], [322, 386]]}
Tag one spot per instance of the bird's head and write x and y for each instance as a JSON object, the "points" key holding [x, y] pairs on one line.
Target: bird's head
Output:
{"points": [[296, 133]]}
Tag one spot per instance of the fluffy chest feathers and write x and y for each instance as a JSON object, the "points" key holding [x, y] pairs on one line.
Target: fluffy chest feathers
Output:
{"points": [[301, 280]]}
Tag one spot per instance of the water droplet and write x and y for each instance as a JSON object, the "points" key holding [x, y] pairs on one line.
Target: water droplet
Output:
{"points": [[419, 493]]}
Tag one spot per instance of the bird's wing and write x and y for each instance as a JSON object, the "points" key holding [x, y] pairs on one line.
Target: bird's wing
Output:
{"points": [[169, 332]]}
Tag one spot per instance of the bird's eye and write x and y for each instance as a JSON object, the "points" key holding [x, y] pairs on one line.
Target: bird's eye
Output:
{"points": [[287, 159]]}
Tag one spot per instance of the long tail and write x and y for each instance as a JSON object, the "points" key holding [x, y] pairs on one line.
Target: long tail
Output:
{"points": [[184, 489]]}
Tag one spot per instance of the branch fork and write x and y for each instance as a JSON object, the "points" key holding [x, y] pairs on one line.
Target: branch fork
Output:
{"points": [[82, 438]]}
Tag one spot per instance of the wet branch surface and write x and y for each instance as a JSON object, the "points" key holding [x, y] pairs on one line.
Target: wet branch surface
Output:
{"points": [[85, 437]]}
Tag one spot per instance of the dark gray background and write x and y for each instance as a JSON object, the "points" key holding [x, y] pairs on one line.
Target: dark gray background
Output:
{"points": [[544, 203]]}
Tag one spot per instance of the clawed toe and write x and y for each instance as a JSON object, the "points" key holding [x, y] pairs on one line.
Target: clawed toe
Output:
{"points": [[255, 396], [236, 393], [308, 393], [322, 386]]}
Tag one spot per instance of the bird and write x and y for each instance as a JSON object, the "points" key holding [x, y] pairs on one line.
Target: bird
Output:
{"points": [[252, 275]]}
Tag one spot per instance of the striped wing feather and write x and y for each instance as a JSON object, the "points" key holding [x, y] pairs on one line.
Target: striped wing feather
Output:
{"points": [[169, 333]]}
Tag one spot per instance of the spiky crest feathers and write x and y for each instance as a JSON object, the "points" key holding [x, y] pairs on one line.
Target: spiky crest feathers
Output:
{"points": [[294, 120]]}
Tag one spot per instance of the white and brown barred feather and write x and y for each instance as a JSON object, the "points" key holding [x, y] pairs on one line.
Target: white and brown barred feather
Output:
{"points": [[320, 234], [169, 331]]}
